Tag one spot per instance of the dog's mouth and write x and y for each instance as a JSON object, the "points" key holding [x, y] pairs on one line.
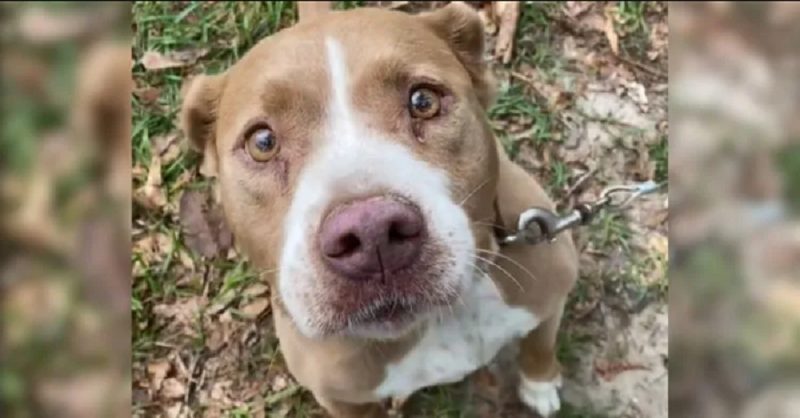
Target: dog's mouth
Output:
{"points": [[388, 312], [390, 316]]}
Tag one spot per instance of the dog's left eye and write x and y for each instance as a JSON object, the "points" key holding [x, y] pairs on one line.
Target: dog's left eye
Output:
{"points": [[424, 103], [261, 144]]}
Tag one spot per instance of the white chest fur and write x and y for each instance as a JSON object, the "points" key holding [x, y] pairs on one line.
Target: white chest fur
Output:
{"points": [[458, 343]]}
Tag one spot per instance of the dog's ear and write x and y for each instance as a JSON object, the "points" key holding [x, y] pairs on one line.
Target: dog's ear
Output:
{"points": [[198, 116], [461, 26]]}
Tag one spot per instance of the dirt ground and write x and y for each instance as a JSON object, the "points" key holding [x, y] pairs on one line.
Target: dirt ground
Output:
{"points": [[582, 105]]}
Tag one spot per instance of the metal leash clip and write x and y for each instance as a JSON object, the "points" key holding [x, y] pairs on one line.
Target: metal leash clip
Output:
{"points": [[537, 224]]}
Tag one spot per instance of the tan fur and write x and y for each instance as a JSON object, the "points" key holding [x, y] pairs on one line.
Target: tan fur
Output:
{"points": [[284, 79]]}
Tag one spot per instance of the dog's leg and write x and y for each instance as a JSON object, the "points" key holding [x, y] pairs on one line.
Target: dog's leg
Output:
{"points": [[540, 371], [338, 409]]}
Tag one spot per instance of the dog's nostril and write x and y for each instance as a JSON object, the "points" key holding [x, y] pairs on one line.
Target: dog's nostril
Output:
{"points": [[348, 244], [401, 231]]}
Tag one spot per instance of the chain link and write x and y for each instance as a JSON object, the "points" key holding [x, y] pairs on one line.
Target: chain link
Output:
{"points": [[536, 224]]}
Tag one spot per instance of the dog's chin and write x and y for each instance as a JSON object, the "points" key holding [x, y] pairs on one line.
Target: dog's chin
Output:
{"points": [[386, 319], [386, 330]]}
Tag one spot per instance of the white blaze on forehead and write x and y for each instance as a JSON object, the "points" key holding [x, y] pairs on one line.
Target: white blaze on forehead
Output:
{"points": [[340, 117]]}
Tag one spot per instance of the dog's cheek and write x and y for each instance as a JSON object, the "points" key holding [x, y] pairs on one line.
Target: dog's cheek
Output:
{"points": [[256, 227]]}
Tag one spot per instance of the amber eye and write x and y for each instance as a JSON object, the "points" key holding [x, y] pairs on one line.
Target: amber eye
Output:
{"points": [[261, 144], [423, 103]]}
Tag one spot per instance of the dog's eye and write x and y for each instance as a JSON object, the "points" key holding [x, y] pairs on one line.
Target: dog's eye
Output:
{"points": [[424, 103], [261, 144]]}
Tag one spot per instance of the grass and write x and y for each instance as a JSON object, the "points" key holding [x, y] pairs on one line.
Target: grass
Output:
{"points": [[659, 152], [515, 105], [789, 165]]}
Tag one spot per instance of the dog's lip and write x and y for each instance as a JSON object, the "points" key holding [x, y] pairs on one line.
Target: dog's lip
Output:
{"points": [[388, 311]]}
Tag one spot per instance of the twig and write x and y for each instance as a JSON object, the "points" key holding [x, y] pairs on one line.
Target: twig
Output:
{"points": [[582, 179], [641, 66]]}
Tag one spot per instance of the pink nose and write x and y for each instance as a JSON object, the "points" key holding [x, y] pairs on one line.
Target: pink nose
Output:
{"points": [[371, 238]]}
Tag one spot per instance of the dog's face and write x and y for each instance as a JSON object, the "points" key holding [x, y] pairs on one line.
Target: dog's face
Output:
{"points": [[355, 163]]}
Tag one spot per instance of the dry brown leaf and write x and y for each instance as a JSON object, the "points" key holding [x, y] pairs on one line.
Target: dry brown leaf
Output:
{"points": [[151, 195], [508, 16], [186, 260], [593, 22], [173, 388], [609, 370], [257, 289], [576, 8], [173, 410], [148, 95], [203, 224], [279, 383], [138, 171], [253, 309], [153, 60], [157, 371], [182, 180], [488, 17], [610, 32], [167, 147]]}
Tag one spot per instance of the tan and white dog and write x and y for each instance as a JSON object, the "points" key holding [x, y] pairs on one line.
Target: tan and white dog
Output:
{"points": [[358, 170]]}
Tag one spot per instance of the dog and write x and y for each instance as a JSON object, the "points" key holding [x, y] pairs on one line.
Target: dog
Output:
{"points": [[358, 171]]}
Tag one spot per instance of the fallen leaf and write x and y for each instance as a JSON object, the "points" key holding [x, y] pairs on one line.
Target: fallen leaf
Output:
{"points": [[138, 171], [186, 260], [157, 371], [167, 147], [576, 8], [253, 309], [203, 224], [173, 410], [659, 40], [488, 17], [608, 370], [257, 289], [183, 312], [182, 180], [172, 388], [148, 95], [279, 382], [153, 60], [508, 15], [151, 195], [593, 22], [611, 33]]}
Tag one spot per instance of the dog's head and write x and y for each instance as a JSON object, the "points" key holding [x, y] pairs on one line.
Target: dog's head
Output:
{"points": [[355, 164]]}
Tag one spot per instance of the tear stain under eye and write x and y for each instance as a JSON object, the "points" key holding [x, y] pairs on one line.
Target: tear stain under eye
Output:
{"points": [[416, 129], [282, 172]]}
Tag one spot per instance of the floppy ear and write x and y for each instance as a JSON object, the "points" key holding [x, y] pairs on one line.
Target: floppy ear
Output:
{"points": [[461, 27], [199, 115]]}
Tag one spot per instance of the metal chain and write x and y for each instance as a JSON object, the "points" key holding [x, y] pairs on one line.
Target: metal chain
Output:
{"points": [[536, 224]]}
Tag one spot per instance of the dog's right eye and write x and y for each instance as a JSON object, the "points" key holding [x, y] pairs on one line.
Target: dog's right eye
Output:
{"points": [[423, 103], [261, 144]]}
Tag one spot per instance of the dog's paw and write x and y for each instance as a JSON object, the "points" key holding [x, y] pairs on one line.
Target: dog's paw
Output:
{"points": [[540, 396]]}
